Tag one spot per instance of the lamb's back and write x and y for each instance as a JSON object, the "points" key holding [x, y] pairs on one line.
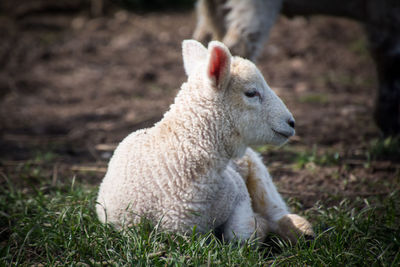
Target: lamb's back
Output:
{"points": [[147, 177], [151, 174], [129, 186]]}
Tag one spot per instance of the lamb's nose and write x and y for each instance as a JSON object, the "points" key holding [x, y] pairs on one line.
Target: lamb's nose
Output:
{"points": [[291, 123]]}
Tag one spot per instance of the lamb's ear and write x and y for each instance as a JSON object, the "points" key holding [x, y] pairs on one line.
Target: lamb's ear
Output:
{"points": [[193, 53], [218, 65]]}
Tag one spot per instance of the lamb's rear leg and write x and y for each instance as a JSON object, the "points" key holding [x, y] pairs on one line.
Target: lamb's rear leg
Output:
{"points": [[267, 201], [243, 223]]}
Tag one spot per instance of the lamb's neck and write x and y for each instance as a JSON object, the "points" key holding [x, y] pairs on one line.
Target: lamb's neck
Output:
{"points": [[204, 132]]}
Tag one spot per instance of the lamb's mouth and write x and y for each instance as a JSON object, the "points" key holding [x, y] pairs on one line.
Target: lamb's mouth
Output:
{"points": [[283, 134]]}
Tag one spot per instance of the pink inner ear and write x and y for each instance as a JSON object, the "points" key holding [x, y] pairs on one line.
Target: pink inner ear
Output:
{"points": [[218, 62]]}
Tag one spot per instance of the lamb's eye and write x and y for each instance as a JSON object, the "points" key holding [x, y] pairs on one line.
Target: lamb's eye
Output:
{"points": [[251, 93]]}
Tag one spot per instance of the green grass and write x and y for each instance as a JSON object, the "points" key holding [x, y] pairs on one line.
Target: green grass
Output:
{"points": [[303, 158], [359, 47], [388, 148], [58, 226], [314, 99], [310, 158]]}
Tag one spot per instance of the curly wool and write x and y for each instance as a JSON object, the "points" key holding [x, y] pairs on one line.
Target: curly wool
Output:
{"points": [[183, 171]]}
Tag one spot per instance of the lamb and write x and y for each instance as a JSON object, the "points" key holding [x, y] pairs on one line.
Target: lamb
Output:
{"points": [[194, 167]]}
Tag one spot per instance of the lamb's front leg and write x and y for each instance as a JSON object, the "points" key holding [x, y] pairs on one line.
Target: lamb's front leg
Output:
{"points": [[267, 201], [242, 222]]}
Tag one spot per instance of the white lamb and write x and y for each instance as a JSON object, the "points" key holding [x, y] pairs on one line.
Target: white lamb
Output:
{"points": [[194, 167]]}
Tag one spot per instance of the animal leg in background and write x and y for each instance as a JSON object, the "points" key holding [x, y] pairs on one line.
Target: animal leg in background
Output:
{"points": [[241, 25]]}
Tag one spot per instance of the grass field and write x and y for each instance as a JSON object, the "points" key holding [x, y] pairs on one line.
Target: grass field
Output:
{"points": [[48, 224], [72, 86]]}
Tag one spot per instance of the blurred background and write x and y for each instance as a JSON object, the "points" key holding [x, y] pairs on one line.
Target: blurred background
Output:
{"points": [[77, 76]]}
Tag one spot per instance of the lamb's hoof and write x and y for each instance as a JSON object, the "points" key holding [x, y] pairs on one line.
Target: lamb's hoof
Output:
{"points": [[293, 226]]}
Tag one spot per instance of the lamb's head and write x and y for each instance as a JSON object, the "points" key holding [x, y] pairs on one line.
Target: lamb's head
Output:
{"points": [[256, 113]]}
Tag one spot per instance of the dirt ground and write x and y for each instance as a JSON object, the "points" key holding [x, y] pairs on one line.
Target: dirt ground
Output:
{"points": [[73, 86]]}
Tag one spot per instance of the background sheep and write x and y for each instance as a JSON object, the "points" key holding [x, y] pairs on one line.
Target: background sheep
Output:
{"points": [[181, 172], [241, 25], [244, 27]]}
